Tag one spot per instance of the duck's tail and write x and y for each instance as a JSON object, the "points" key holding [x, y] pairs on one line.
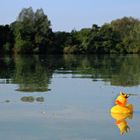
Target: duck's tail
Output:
{"points": [[130, 107]]}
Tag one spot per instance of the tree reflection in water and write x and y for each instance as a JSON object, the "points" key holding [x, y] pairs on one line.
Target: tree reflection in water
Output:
{"points": [[33, 73]]}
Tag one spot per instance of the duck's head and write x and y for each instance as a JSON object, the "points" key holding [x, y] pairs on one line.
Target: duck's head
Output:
{"points": [[124, 95], [121, 99]]}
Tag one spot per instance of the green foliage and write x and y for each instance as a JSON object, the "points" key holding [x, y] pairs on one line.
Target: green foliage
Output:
{"points": [[81, 38], [124, 25], [7, 47], [71, 50], [129, 30], [6, 39], [23, 46], [32, 33], [102, 40]]}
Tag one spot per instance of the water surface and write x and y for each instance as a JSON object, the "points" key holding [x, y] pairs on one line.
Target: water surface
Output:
{"points": [[66, 97]]}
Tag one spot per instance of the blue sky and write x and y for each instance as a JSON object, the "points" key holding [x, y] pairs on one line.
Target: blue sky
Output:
{"points": [[66, 15]]}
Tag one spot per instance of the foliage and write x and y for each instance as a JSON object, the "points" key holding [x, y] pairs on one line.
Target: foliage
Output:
{"points": [[6, 39], [32, 33], [129, 30]]}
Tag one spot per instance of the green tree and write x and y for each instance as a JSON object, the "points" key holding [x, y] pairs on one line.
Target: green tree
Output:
{"points": [[43, 34], [102, 40], [6, 39], [128, 28], [81, 38], [32, 31]]}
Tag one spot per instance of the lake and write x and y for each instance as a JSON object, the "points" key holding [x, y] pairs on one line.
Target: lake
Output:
{"points": [[67, 97]]}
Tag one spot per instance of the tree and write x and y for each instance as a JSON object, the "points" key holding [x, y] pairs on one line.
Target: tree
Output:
{"points": [[81, 38], [129, 30], [32, 31], [6, 39], [43, 33]]}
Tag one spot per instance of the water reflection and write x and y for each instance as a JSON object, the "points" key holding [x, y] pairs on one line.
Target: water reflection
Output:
{"points": [[31, 74], [79, 112], [121, 123], [121, 111], [34, 73]]}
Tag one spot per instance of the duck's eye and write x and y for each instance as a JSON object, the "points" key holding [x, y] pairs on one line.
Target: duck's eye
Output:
{"points": [[122, 93]]}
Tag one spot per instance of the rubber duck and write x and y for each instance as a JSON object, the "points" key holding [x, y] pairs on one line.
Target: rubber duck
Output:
{"points": [[121, 122], [121, 105]]}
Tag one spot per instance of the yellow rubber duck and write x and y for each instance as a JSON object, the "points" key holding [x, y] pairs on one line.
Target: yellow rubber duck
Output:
{"points": [[121, 105], [121, 122]]}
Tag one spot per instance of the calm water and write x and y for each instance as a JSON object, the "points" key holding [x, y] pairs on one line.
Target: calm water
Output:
{"points": [[66, 97]]}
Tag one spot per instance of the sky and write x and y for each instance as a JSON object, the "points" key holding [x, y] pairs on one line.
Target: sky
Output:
{"points": [[66, 15]]}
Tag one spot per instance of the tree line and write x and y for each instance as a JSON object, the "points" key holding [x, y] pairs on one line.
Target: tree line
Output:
{"points": [[32, 33]]}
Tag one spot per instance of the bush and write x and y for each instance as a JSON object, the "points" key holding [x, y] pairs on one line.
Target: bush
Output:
{"points": [[23, 46], [71, 50], [7, 47]]}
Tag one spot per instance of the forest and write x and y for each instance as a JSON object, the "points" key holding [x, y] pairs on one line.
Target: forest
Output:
{"points": [[31, 33]]}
